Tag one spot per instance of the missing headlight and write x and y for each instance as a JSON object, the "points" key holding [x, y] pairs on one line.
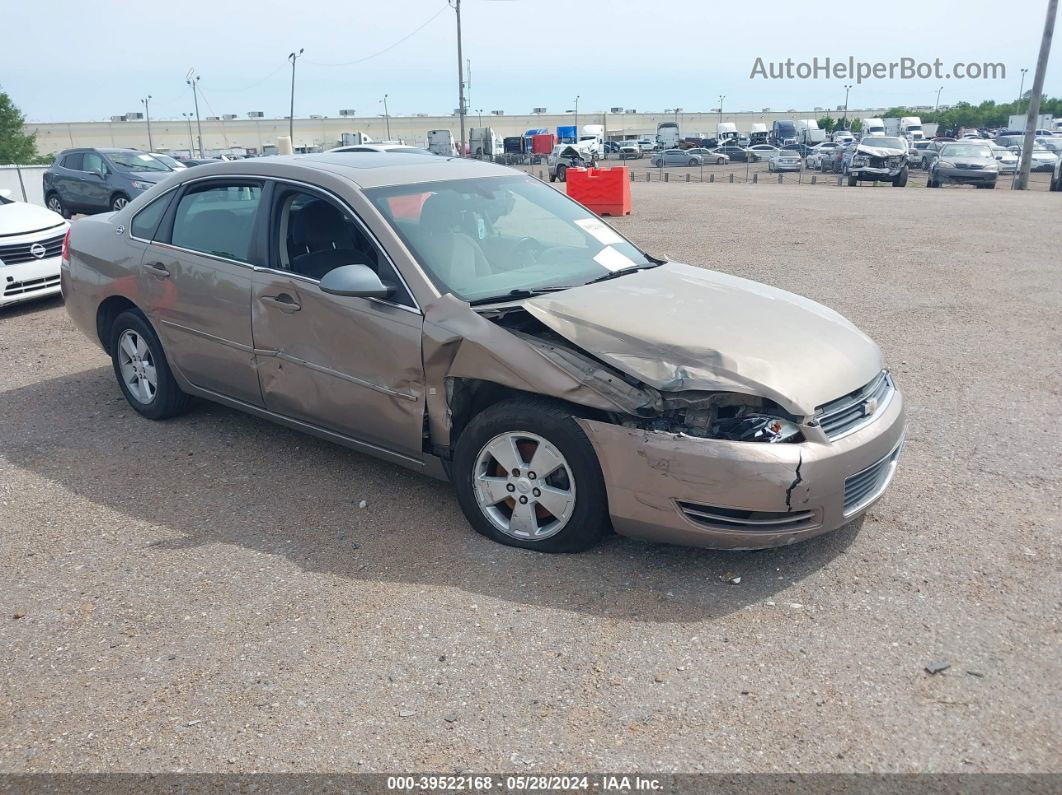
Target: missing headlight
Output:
{"points": [[728, 416], [755, 428]]}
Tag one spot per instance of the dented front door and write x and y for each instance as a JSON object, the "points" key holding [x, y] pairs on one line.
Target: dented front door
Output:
{"points": [[350, 365]]}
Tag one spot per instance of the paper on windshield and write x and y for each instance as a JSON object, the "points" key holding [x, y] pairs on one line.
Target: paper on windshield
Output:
{"points": [[601, 232], [613, 259]]}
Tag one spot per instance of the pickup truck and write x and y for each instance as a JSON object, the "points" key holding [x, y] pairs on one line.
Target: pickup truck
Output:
{"points": [[878, 158]]}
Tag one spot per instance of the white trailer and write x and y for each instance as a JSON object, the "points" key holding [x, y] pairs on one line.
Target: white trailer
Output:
{"points": [[354, 139], [809, 133], [441, 142], [483, 142], [1045, 121]]}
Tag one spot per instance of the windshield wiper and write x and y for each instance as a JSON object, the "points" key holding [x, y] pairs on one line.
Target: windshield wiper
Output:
{"points": [[624, 272], [514, 295]]}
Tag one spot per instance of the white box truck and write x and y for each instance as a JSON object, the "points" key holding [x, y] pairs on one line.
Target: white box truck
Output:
{"points": [[667, 135], [441, 142], [354, 139], [484, 143], [911, 128], [1045, 121], [809, 133], [873, 126], [726, 131]]}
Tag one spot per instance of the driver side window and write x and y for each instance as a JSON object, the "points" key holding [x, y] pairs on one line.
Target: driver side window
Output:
{"points": [[313, 235], [94, 163]]}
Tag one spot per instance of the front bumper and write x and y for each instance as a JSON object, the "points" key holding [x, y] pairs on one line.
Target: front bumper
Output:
{"points": [[685, 490], [786, 167], [967, 176], [876, 174], [25, 281]]}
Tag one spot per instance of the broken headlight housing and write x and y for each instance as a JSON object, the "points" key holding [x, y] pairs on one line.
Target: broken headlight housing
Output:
{"points": [[721, 415], [756, 428]]}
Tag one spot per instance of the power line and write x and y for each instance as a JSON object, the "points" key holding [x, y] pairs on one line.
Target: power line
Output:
{"points": [[385, 49]]}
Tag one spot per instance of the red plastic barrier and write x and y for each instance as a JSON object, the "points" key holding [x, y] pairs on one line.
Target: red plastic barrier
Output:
{"points": [[605, 191], [543, 143]]}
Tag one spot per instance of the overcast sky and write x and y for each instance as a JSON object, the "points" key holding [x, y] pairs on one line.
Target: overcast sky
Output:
{"points": [[86, 61]]}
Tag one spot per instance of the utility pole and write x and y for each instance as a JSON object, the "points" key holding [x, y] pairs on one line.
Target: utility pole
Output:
{"points": [[192, 79], [721, 98], [456, 5], [1021, 89], [293, 57], [1021, 176], [938, 99], [147, 115], [844, 121], [387, 117], [191, 140], [577, 118]]}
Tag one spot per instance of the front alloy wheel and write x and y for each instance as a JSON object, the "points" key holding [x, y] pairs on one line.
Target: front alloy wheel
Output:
{"points": [[137, 367], [524, 486], [119, 202], [527, 476]]}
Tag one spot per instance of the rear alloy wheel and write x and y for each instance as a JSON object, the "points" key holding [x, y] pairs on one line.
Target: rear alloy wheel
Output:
{"points": [[719, 161], [693, 161], [141, 368], [55, 204], [527, 476], [118, 201]]}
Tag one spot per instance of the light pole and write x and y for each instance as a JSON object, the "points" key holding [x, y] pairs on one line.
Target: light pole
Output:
{"points": [[577, 118], [480, 112], [147, 115], [1021, 90], [844, 120], [1021, 175], [456, 6], [387, 117], [191, 140], [721, 98], [192, 79], [936, 106], [293, 57]]}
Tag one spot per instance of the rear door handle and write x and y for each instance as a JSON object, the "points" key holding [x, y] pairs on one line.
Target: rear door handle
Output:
{"points": [[283, 302], [157, 268]]}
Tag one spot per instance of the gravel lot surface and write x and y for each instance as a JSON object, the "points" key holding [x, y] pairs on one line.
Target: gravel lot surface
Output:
{"points": [[206, 594]]}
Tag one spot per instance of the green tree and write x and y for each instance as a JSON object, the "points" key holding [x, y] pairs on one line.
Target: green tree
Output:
{"points": [[827, 123], [15, 145], [855, 125]]}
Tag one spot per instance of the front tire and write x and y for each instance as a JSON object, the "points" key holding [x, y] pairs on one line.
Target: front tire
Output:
{"points": [[901, 179], [118, 202], [852, 181], [527, 476], [719, 161], [141, 368], [562, 173]]}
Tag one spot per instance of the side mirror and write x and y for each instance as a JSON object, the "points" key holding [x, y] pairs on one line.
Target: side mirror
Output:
{"points": [[359, 281]]}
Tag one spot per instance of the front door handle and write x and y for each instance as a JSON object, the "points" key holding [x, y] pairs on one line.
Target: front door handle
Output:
{"points": [[157, 268], [283, 302]]}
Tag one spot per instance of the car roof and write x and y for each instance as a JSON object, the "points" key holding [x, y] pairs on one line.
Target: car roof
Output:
{"points": [[364, 169]]}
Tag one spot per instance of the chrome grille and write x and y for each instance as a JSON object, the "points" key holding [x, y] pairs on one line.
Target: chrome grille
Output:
{"points": [[20, 252], [864, 487], [851, 412], [736, 519], [30, 286]]}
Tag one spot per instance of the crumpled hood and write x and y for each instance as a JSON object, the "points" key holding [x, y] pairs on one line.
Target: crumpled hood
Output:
{"points": [[676, 327], [879, 151], [20, 218]]}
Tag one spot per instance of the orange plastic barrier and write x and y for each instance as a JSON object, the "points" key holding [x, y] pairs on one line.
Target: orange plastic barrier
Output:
{"points": [[605, 191]]}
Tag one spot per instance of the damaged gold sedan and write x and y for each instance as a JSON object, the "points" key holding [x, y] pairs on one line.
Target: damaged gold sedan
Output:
{"points": [[467, 321]]}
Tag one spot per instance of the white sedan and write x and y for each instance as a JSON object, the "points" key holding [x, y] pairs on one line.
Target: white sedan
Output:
{"points": [[818, 153], [762, 151], [31, 246]]}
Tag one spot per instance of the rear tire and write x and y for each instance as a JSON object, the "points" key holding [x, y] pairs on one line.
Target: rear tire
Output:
{"points": [[562, 173], [852, 181], [55, 204], [118, 202], [137, 358], [479, 477]]}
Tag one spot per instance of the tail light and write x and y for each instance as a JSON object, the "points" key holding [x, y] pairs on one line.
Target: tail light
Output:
{"points": [[66, 249]]}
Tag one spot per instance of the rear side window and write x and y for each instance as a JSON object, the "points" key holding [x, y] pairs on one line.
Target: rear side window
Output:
{"points": [[74, 161], [217, 219], [147, 220]]}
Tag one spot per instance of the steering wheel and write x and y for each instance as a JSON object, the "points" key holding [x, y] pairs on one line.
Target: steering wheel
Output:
{"points": [[528, 248]]}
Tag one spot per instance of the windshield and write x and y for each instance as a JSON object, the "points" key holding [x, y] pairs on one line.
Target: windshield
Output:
{"points": [[136, 161], [884, 142], [169, 161], [965, 150], [487, 237]]}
